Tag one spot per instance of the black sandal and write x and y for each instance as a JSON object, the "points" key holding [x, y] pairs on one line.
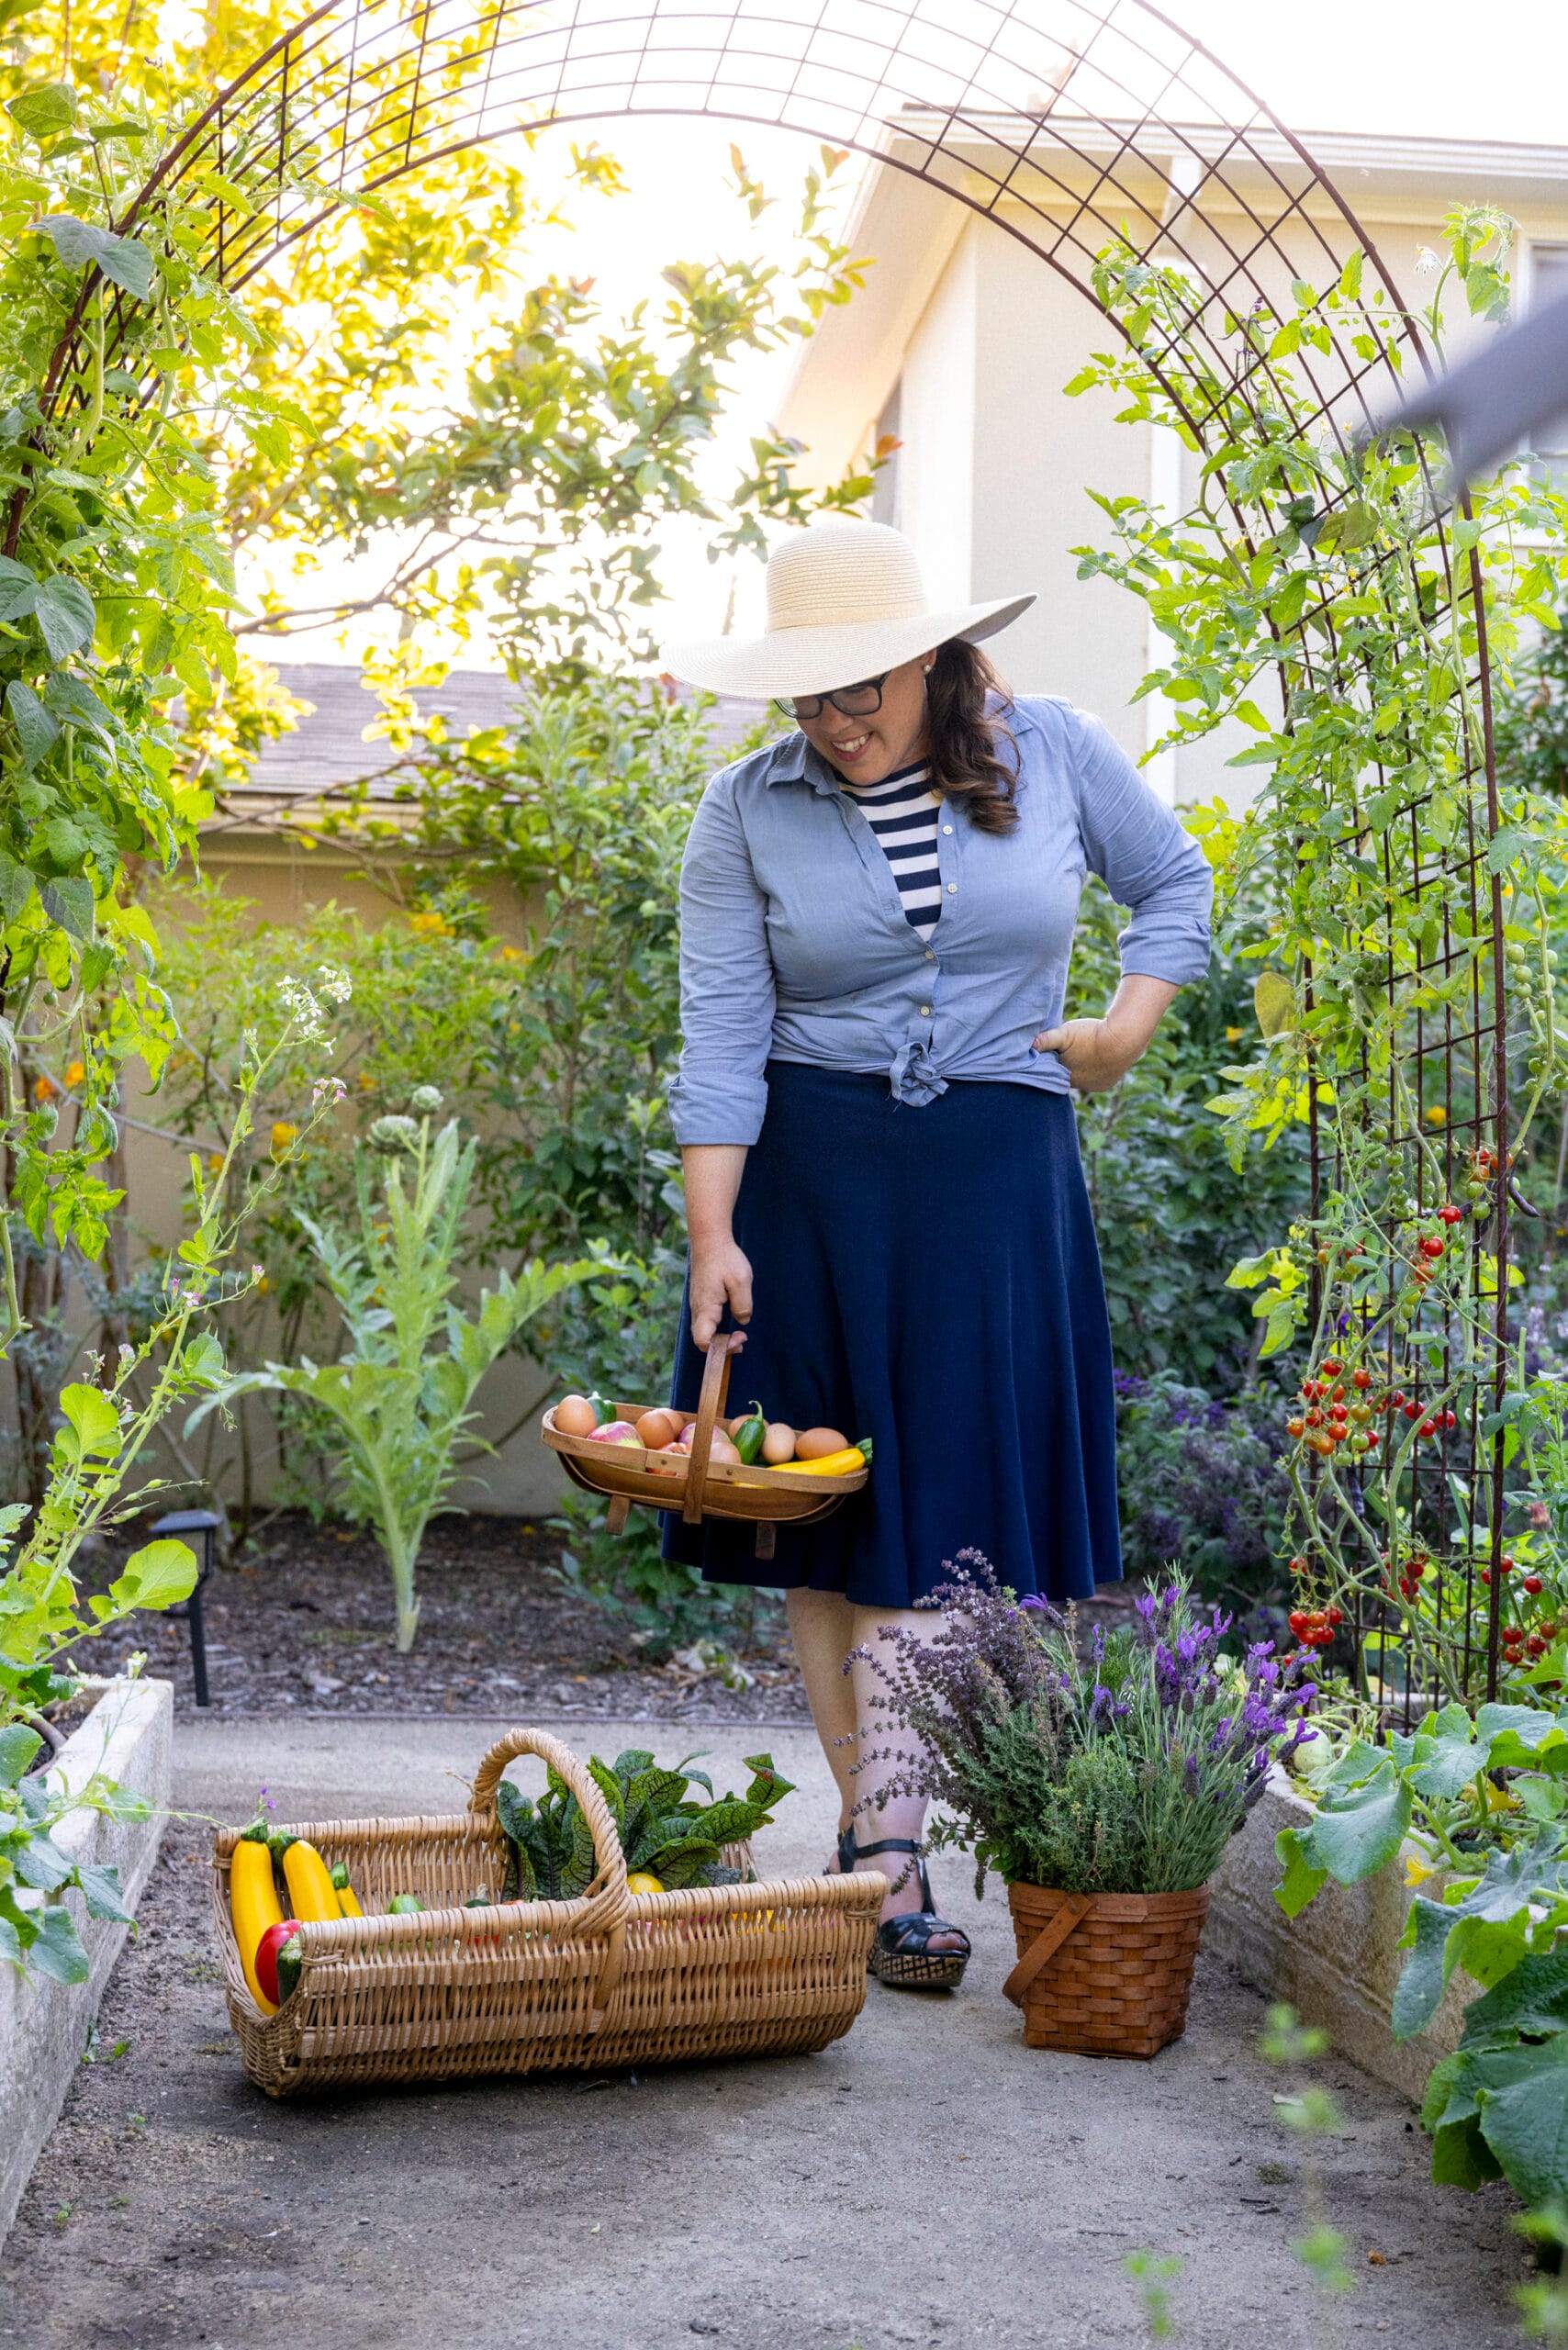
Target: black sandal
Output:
{"points": [[901, 1955]]}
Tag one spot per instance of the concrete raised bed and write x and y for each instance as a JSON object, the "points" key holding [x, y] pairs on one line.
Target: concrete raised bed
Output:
{"points": [[43, 2025], [1338, 1962]]}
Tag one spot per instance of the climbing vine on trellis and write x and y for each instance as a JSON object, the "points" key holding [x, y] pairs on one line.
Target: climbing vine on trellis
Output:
{"points": [[1406, 976]]}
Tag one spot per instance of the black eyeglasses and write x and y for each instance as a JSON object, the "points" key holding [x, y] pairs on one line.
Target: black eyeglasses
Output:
{"points": [[855, 701]]}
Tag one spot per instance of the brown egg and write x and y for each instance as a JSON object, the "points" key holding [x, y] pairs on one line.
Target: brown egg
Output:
{"points": [[778, 1443], [575, 1416], [657, 1430], [721, 1448], [815, 1444]]}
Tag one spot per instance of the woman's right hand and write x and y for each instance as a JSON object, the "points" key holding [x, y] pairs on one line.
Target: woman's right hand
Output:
{"points": [[721, 1276]]}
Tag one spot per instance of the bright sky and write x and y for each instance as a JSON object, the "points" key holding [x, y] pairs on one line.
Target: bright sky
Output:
{"points": [[1404, 66]]}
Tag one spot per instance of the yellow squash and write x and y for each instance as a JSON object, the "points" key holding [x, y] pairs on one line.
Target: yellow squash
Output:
{"points": [[309, 1882], [833, 1464], [254, 1906]]}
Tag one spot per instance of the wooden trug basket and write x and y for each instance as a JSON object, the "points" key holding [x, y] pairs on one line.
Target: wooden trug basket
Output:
{"points": [[611, 1979], [1104, 1973], [696, 1485]]}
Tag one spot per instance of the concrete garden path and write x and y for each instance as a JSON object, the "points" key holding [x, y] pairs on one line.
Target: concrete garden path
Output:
{"points": [[925, 2181]]}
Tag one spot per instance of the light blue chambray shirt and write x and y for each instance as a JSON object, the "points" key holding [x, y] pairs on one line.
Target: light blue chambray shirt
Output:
{"points": [[794, 945]]}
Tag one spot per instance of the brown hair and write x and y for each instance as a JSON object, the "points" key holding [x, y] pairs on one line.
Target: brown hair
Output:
{"points": [[974, 760]]}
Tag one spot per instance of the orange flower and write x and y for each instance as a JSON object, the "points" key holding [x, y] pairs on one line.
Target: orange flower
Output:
{"points": [[284, 1137], [1437, 1116], [44, 1089], [432, 925], [75, 1072]]}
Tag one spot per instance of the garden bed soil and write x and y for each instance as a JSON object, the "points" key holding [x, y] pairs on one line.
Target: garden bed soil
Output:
{"points": [[304, 1619]]}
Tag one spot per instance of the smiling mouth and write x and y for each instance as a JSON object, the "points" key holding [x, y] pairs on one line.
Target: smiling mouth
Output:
{"points": [[853, 748]]}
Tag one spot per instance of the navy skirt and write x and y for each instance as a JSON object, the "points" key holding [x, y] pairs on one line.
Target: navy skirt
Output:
{"points": [[927, 1277]]}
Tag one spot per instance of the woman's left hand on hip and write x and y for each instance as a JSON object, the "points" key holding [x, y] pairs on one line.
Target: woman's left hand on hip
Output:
{"points": [[1095, 1054]]}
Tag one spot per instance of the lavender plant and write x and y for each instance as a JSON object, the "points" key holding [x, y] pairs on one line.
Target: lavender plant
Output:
{"points": [[1123, 1771]]}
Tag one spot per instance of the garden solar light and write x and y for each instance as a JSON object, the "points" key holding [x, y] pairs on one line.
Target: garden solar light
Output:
{"points": [[1490, 404], [182, 1524]]}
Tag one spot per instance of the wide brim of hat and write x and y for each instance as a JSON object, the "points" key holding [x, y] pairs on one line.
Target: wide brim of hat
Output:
{"points": [[814, 660]]}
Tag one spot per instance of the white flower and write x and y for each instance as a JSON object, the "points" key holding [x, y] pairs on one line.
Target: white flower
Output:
{"points": [[302, 1009], [1426, 260], [335, 985]]}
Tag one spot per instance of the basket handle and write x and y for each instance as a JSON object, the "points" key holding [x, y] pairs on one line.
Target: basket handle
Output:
{"points": [[1046, 1945], [709, 1403], [608, 1892]]}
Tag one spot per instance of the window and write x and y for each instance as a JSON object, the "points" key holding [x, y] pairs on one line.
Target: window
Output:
{"points": [[1549, 283]]}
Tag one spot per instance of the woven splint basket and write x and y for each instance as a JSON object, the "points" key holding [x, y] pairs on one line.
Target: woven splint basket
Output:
{"points": [[1104, 1973], [613, 1978]]}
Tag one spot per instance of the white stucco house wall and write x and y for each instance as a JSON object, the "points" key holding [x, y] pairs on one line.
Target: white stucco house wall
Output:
{"points": [[963, 338]]}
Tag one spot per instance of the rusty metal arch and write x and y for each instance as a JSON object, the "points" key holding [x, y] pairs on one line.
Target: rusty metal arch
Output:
{"points": [[1072, 125]]}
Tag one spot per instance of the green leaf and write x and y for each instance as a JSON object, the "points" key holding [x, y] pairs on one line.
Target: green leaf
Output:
{"points": [[1531, 1998], [16, 888], [18, 593], [161, 1575], [1357, 1831], [104, 1896], [1460, 2156], [18, 1744], [1523, 2098], [94, 1418], [40, 1863], [1443, 1766], [45, 110], [1418, 1993], [58, 1950], [36, 730], [66, 614], [70, 902], [1300, 1881], [1273, 1001]]}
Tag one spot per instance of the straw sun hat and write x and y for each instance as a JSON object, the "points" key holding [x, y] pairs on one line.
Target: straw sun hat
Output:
{"points": [[845, 600]]}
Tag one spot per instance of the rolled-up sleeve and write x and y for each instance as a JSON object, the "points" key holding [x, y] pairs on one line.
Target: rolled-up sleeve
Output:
{"points": [[1135, 844], [720, 1093]]}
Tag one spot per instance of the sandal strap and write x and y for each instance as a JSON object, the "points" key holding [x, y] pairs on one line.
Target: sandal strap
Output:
{"points": [[899, 1844], [912, 1935]]}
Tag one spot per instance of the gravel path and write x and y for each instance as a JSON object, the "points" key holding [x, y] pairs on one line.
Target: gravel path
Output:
{"points": [[1000, 2191]]}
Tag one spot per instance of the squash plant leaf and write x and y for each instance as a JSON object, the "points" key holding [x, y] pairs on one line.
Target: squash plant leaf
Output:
{"points": [[57, 1951]]}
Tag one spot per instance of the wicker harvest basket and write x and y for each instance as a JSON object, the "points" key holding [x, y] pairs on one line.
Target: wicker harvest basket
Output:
{"points": [[613, 1978], [693, 1483], [1106, 1974]]}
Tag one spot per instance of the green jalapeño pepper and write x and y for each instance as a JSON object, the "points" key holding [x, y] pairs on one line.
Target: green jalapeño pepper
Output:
{"points": [[747, 1437]]}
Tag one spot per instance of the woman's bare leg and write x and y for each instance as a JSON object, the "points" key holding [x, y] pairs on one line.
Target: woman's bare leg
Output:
{"points": [[824, 1629], [822, 1625], [900, 1814]]}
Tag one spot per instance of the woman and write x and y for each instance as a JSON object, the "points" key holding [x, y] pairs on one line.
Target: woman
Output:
{"points": [[882, 1181]]}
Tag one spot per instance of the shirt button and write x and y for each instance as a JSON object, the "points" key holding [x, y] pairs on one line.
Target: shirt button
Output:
{"points": [[931, 955], [946, 828], [926, 1012], [952, 889]]}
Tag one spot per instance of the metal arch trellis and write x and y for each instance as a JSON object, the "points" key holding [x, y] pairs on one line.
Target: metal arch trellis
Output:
{"points": [[1078, 127]]}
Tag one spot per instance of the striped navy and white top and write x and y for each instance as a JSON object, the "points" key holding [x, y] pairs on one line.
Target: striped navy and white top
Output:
{"points": [[901, 811]]}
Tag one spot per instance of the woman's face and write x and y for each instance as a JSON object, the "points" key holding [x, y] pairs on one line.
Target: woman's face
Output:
{"points": [[867, 750]]}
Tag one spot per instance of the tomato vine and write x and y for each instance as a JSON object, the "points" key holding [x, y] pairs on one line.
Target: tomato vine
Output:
{"points": [[1406, 967]]}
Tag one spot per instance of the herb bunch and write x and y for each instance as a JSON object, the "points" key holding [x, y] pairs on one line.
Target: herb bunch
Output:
{"points": [[1123, 1771], [663, 1828]]}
